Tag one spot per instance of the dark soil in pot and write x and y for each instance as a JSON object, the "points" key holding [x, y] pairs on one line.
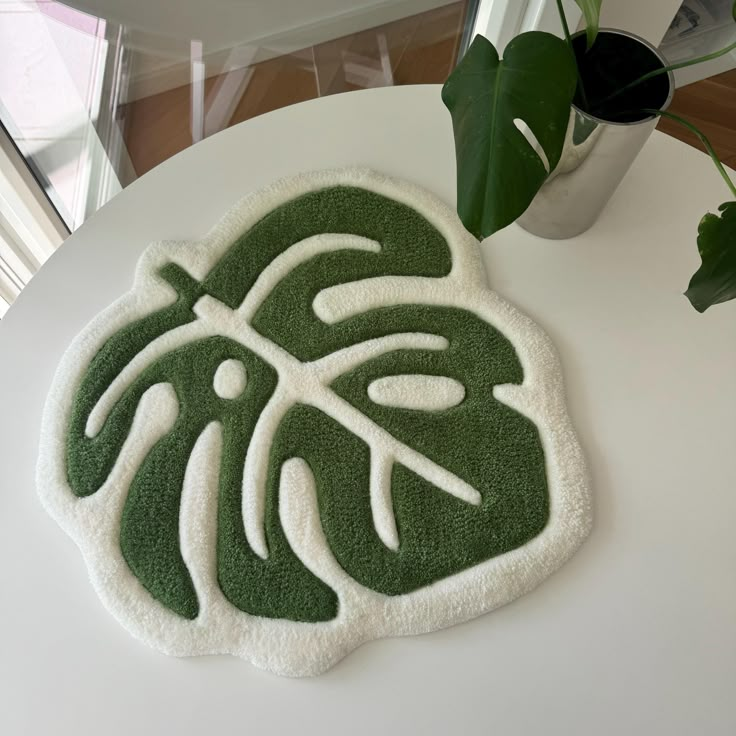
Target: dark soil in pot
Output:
{"points": [[614, 61]]}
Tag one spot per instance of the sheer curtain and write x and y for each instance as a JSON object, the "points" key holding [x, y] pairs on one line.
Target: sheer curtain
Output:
{"points": [[30, 229]]}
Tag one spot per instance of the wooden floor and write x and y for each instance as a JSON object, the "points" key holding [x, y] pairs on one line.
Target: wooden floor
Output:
{"points": [[421, 49], [711, 106]]}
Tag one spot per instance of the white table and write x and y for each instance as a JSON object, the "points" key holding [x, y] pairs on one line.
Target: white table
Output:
{"points": [[635, 635]]}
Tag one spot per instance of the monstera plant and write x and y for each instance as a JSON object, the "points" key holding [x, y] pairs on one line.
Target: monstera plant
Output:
{"points": [[539, 77]]}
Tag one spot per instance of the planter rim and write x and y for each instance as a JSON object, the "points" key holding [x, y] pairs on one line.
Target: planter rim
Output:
{"points": [[662, 60]]}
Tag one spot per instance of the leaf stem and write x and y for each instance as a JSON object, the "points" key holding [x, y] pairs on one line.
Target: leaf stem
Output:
{"points": [[566, 31], [665, 69], [565, 27], [703, 140]]}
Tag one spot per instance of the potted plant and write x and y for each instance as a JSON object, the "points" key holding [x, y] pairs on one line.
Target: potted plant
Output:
{"points": [[544, 136]]}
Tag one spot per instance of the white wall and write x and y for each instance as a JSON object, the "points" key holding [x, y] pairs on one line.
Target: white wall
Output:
{"points": [[646, 18]]}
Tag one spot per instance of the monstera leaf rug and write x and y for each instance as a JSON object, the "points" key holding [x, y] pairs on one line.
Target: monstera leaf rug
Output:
{"points": [[313, 428]]}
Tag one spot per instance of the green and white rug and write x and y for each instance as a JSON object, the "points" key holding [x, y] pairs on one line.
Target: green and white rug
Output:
{"points": [[314, 428]]}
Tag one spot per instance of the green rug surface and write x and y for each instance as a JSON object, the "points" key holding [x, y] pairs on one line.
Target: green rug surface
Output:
{"points": [[313, 428]]}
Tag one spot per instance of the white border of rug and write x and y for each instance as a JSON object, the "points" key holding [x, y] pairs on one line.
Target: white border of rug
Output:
{"points": [[285, 647]]}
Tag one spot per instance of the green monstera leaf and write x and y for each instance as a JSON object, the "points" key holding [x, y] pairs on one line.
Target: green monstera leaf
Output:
{"points": [[318, 418], [715, 281], [498, 169]]}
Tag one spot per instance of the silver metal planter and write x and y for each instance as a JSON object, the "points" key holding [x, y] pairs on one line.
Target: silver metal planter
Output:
{"points": [[596, 156]]}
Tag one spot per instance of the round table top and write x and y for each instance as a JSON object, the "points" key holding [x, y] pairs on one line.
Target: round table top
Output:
{"points": [[634, 635]]}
